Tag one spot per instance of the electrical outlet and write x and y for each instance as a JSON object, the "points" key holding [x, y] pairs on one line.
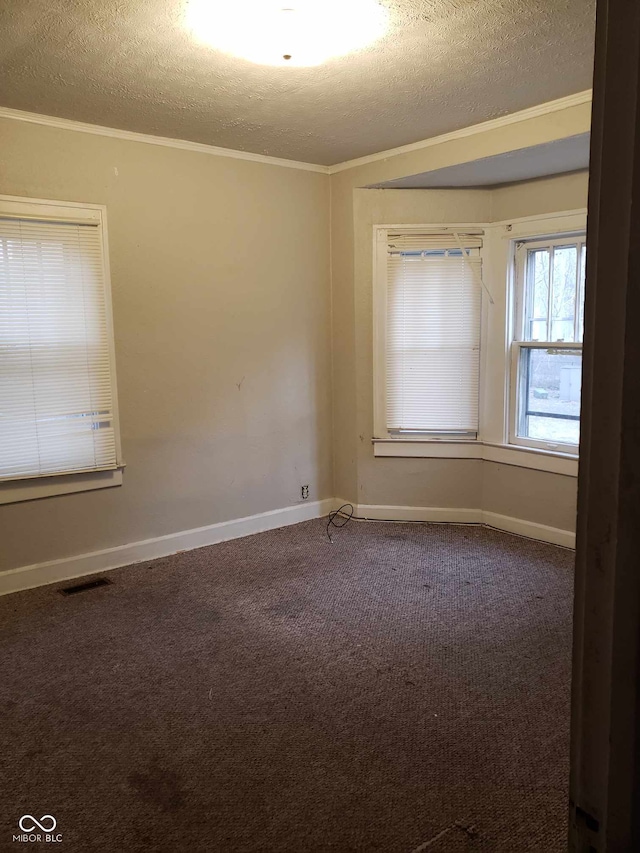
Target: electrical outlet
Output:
{"points": [[305, 492]]}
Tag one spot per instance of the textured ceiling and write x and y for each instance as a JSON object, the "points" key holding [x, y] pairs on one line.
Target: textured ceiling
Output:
{"points": [[570, 154], [444, 64]]}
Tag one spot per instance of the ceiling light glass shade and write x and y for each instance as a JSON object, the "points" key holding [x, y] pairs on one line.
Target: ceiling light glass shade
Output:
{"points": [[289, 32]]}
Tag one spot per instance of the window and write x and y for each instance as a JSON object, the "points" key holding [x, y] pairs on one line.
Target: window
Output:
{"points": [[428, 330], [547, 350], [444, 384], [57, 378]]}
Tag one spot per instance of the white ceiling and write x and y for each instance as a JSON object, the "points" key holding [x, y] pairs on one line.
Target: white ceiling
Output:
{"points": [[444, 64], [570, 154]]}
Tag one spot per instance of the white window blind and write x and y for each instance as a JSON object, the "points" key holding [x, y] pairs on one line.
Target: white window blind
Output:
{"points": [[433, 333], [56, 398]]}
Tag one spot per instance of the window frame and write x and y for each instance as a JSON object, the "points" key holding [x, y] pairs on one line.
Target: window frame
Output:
{"points": [[380, 431], [35, 486], [520, 249], [497, 331]]}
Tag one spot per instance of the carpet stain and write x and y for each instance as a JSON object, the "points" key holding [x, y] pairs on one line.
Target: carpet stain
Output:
{"points": [[209, 616], [160, 786], [289, 608]]}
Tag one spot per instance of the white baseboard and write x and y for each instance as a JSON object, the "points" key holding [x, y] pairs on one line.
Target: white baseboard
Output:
{"points": [[519, 526], [39, 574], [67, 568], [530, 529], [372, 512]]}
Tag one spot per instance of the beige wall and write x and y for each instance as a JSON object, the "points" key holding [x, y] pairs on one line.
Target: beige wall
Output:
{"points": [[404, 482], [227, 328], [347, 322], [359, 476], [536, 496], [545, 195], [220, 279]]}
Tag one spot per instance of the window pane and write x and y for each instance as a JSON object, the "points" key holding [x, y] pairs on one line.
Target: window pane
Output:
{"points": [[550, 395], [433, 341], [55, 370], [563, 288], [538, 297]]}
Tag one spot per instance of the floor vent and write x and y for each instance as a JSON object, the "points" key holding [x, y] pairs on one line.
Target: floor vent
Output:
{"points": [[84, 587]]}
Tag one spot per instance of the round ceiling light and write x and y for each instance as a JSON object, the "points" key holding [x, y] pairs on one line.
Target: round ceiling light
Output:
{"points": [[289, 32]]}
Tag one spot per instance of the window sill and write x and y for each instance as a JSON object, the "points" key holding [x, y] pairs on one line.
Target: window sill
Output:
{"points": [[14, 491], [506, 454]]}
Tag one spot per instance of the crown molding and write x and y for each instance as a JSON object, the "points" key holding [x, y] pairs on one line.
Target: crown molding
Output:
{"points": [[133, 136], [493, 124], [200, 147]]}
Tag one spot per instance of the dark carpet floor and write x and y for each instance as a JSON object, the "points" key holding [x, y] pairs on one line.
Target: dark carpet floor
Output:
{"points": [[404, 689]]}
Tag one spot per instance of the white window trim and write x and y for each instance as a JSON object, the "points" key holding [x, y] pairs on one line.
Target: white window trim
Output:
{"points": [[505, 454], [380, 243], [517, 335], [31, 488], [493, 442], [514, 438], [520, 272], [15, 491]]}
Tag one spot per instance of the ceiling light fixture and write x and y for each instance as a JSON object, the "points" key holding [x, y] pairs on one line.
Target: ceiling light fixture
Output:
{"points": [[289, 32]]}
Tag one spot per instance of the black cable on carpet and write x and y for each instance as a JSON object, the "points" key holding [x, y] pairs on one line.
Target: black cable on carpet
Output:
{"points": [[338, 512]]}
